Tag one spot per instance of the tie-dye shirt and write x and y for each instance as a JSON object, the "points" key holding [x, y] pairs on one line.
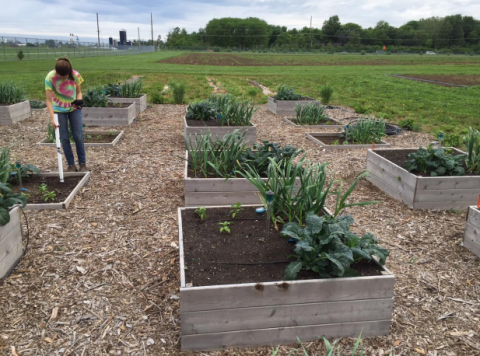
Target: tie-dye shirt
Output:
{"points": [[64, 90]]}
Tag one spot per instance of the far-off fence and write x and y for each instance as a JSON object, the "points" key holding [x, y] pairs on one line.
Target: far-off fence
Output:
{"points": [[34, 48]]}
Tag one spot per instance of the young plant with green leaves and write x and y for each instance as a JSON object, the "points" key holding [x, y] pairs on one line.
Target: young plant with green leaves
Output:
{"points": [[37, 104], [410, 125], [112, 89], [365, 131], [178, 90], [232, 111], [131, 89], [326, 93], [472, 144], [236, 209], [327, 246], [11, 94], [95, 98], [203, 111], [51, 133], [284, 92], [7, 200], [201, 212], [224, 226], [49, 196], [311, 114], [435, 162], [9, 171]]}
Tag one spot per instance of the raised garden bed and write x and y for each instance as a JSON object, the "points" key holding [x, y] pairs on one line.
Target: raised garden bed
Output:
{"points": [[328, 141], [10, 114], [11, 247], [109, 116], [218, 191], [228, 299], [472, 231], [196, 127], [387, 172], [94, 139], [330, 124], [287, 107], [65, 192], [140, 103]]}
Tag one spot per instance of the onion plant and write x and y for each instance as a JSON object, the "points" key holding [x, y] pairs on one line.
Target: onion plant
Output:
{"points": [[131, 89], [310, 114], [293, 202], [366, 131], [233, 111], [95, 97], [472, 144], [11, 94]]}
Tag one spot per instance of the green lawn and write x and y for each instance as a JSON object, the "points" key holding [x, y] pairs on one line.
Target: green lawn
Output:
{"points": [[366, 87]]}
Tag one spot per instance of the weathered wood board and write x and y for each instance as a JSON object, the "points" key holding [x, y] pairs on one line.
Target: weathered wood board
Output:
{"points": [[272, 313], [417, 192], [333, 124], [116, 136], [11, 114], [218, 191], [287, 107], [140, 103], [218, 132], [109, 116], [64, 204], [317, 138], [472, 230], [11, 248]]}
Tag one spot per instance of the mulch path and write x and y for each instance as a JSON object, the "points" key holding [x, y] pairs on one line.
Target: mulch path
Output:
{"points": [[102, 278]]}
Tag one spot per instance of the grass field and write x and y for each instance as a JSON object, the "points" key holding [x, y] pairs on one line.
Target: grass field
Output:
{"points": [[361, 82]]}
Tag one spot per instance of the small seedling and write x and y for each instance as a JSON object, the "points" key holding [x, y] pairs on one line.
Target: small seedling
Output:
{"points": [[111, 133], [42, 188], [99, 137], [261, 239], [399, 178], [336, 142], [49, 196], [236, 208], [202, 212], [26, 195], [224, 226]]}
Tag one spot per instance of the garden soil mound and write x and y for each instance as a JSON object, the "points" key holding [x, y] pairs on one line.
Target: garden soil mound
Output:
{"points": [[102, 278]]}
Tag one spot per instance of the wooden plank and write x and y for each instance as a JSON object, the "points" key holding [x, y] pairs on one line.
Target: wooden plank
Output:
{"points": [[285, 316], [472, 233], [74, 192], [12, 258], [117, 137], [317, 138], [288, 292], [467, 196], [221, 198], [275, 336], [109, 116], [10, 241], [13, 223], [449, 183], [472, 247], [334, 124], [474, 216], [221, 185], [440, 205], [393, 169], [15, 113], [393, 181], [380, 184]]}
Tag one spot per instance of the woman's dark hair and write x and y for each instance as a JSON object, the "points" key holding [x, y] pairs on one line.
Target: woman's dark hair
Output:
{"points": [[64, 67]]}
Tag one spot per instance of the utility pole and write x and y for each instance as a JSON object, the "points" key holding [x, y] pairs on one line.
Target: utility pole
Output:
{"points": [[138, 36], [151, 23], [98, 30], [311, 33]]}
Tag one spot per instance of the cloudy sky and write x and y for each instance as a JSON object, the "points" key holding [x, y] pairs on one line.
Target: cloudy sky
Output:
{"points": [[57, 18]]}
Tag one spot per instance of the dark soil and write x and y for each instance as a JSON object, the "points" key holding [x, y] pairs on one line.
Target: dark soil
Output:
{"points": [[198, 123], [445, 80], [246, 255], [62, 190]]}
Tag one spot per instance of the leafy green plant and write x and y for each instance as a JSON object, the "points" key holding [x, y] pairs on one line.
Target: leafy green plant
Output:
{"points": [[9, 172], [7, 201], [203, 111], [37, 104], [10, 93], [328, 247], [452, 140], [326, 93], [95, 98], [42, 188], [178, 90], [472, 144], [435, 162], [202, 212], [132, 89], [285, 92], [366, 131], [232, 111], [410, 125], [51, 133], [157, 98], [49, 196], [20, 55], [310, 114], [236, 209], [112, 89], [224, 226]]}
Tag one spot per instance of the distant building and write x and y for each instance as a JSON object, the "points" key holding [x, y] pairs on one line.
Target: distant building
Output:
{"points": [[123, 37], [110, 41], [115, 43], [128, 43]]}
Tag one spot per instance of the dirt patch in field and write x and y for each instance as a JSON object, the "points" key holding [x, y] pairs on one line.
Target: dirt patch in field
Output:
{"points": [[445, 80], [234, 60]]}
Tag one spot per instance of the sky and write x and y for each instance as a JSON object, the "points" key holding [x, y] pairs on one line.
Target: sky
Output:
{"points": [[58, 18]]}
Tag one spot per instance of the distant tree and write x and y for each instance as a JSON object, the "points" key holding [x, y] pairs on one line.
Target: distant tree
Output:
{"points": [[20, 55], [331, 27]]}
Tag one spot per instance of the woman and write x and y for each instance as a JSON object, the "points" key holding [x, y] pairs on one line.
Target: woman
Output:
{"points": [[64, 98]]}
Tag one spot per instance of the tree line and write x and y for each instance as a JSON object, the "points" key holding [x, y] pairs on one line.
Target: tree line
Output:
{"points": [[450, 33]]}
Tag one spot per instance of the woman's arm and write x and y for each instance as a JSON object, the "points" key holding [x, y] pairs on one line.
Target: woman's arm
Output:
{"points": [[79, 92], [49, 95]]}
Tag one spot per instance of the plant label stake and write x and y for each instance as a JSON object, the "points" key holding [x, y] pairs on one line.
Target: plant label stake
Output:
{"points": [[346, 133], [269, 198], [373, 146], [440, 138], [59, 151], [478, 202]]}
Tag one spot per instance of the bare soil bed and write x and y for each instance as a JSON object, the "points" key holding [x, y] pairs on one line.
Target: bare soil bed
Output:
{"points": [[444, 80], [62, 190], [102, 278]]}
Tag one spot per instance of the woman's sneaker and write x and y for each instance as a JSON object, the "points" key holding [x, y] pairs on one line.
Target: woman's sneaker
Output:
{"points": [[83, 168], [72, 169]]}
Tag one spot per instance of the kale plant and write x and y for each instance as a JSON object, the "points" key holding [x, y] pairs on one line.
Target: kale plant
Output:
{"points": [[7, 201], [113, 89], [285, 92], [328, 247], [203, 111], [95, 97], [435, 162]]}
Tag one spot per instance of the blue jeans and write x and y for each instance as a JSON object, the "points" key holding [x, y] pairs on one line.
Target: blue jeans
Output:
{"points": [[75, 118]]}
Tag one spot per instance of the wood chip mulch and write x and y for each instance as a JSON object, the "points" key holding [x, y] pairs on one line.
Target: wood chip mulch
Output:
{"points": [[102, 278]]}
